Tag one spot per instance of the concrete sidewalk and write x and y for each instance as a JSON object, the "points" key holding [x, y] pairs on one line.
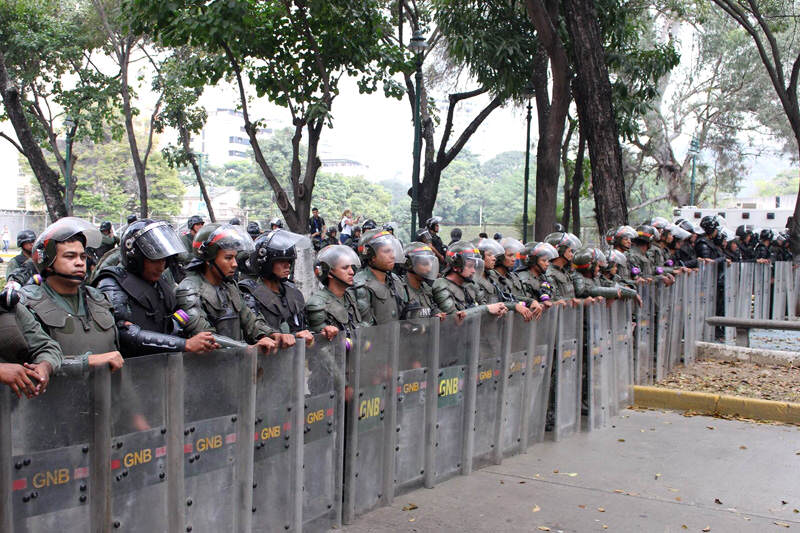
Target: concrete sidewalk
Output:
{"points": [[651, 472]]}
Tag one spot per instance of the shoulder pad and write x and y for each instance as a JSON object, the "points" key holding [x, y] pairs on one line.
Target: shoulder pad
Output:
{"points": [[95, 294], [116, 272], [317, 302], [247, 284], [32, 292]]}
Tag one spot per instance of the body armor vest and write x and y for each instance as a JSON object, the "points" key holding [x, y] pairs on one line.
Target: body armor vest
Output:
{"points": [[15, 348], [276, 308], [151, 305]]}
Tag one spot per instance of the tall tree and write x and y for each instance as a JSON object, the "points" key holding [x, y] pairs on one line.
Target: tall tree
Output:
{"points": [[41, 42], [769, 24], [292, 52]]}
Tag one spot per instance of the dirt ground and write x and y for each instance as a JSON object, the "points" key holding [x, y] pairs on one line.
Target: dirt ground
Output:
{"points": [[768, 382]]}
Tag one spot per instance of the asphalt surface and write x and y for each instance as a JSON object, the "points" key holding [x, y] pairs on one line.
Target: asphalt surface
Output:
{"points": [[770, 339], [652, 471]]}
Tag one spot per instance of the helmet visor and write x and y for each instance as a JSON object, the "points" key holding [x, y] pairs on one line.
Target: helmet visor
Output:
{"points": [[67, 227], [230, 237], [158, 240], [615, 256], [625, 231], [283, 240], [475, 262], [385, 242], [491, 246], [424, 264], [510, 244], [600, 258], [337, 254], [546, 250]]}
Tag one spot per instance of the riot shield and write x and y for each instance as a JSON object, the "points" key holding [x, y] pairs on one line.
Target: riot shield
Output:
{"points": [[692, 293], [514, 394], [489, 385], [731, 285], [323, 449], [761, 291], [644, 328], [661, 312], [611, 363], [676, 318], [779, 289], [219, 390], [598, 371], [622, 326], [278, 440], [458, 354], [745, 292], [369, 456], [794, 298], [139, 452], [568, 364], [706, 289], [418, 358], [59, 477], [540, 361]]}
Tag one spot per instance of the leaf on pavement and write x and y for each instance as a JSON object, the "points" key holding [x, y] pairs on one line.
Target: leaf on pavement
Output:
{"points": [[717, 501], [782, 524], [707, 529], [410, 507], [543, 528], [600, 509], [536, 509]]}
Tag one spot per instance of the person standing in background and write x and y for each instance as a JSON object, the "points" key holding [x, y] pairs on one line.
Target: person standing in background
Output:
{"points": [[6, 238], [346, 225]]}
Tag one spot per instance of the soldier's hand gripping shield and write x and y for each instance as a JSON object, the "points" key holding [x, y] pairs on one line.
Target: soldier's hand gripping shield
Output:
{"points": [[44, 249]]}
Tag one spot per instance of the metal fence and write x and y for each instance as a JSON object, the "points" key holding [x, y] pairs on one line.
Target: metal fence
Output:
{"points": [[316, 436]]}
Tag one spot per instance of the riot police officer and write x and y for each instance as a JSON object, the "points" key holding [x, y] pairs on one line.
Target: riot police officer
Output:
{"points": [[109, 241], [379, 291], [456, 293], [586, 266], [705, 246], [685, 253], [334, 308], [499, 283], [253, 229], [29, 356], [78, 317], [609, 277], [25, 240], [745, 237], [193, 225], [763, 250], [143, 299], [641, 267], [331, 239], [275, 223], [558, 272], [210, 298], [432, 225], [421, 270], [270, 293], [537, 258]]}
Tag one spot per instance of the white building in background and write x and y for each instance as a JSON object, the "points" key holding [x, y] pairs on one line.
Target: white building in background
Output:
{"points": [[225, 201], [343, 166], [223, 138]]}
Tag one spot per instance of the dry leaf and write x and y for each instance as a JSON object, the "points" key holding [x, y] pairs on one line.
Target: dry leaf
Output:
{"points": [[707, 529], [677, 498], [543, 528], [410, 507], [742, 447], [600, 509], [536, 509], [555, 471], [502, 482], [782, 524], [571, 474], [796, 510], [582, 506], [658, 476], [673, 490], [784, 502], [412, 519], [716, 500], [605, 526], [620, 440], [522, 482], [710, 427], [684, 526]]}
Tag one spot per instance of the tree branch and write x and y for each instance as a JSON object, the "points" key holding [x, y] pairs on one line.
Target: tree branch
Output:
{"points": [[648, 202], [470, 129], [13, 142]]}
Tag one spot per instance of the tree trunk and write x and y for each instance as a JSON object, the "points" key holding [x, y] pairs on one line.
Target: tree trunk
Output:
{"points": [[596, 113], [551, 114], [127, 111], [577, 183], [52, 191], [187, 147]]}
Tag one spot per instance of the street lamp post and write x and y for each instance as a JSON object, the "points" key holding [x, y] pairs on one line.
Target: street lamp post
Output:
{"points": [[71, 126], [694, 149], [418, 45], [529, 90]]}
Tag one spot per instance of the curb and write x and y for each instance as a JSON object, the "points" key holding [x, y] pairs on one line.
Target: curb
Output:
{"points": [[716, 404], [724, 352]]}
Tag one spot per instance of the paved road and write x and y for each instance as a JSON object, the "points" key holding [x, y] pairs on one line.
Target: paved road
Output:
{"points": [[651, 472]]}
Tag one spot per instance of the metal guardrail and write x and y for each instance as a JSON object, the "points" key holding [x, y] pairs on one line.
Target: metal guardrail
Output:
{"points": [[316, 436]]}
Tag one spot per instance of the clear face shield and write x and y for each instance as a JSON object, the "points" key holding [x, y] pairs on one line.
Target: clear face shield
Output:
{"points": [[158, 241], [67, 227], [337, 256], [283, 240], [388, 250], [545, 250], [424, 264], [229, 237], [512, 249], [473, 267], [492, 247]]}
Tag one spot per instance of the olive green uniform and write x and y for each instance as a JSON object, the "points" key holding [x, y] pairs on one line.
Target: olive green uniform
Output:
{"points": [[638, 259], [658, 257], [219, 309], [324, 308], [384, 301], [15, 263], [24, 340], [420, 301], [535, 287], [451, 298], [559, 278], [81, 324], [590, 287]]}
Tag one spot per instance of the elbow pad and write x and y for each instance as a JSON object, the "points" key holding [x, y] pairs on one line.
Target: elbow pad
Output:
{"points": [[137, 339]]}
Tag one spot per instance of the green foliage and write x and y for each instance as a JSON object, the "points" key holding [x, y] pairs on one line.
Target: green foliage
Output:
{"points": [[786, 182], [335, 193]]}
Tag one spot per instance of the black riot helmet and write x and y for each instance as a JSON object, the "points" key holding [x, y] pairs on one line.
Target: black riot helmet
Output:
{"points": [[766, 235], [25, 236], [709, 224], [253, 229], [235, 222], [275, 223], [148, 239], [193, 221], [368, 225], [105, 226], [132, 218], [62, 230], [276, 245], [432, 222]]}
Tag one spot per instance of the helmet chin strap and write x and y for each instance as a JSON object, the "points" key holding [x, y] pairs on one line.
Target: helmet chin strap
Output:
{"points": [[340, 280], [65, 276], [219, 271]]}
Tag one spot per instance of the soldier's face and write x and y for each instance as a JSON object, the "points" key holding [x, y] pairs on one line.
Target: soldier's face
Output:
{"points": [[489, 260], [509, 258], [70, 260], [569, 253], [344, 272], [152, 270], [226, 262], [543, 263], [28, 246], [625, 242], [469, 270], [282, 269], [196, 228], [384, 258]]}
